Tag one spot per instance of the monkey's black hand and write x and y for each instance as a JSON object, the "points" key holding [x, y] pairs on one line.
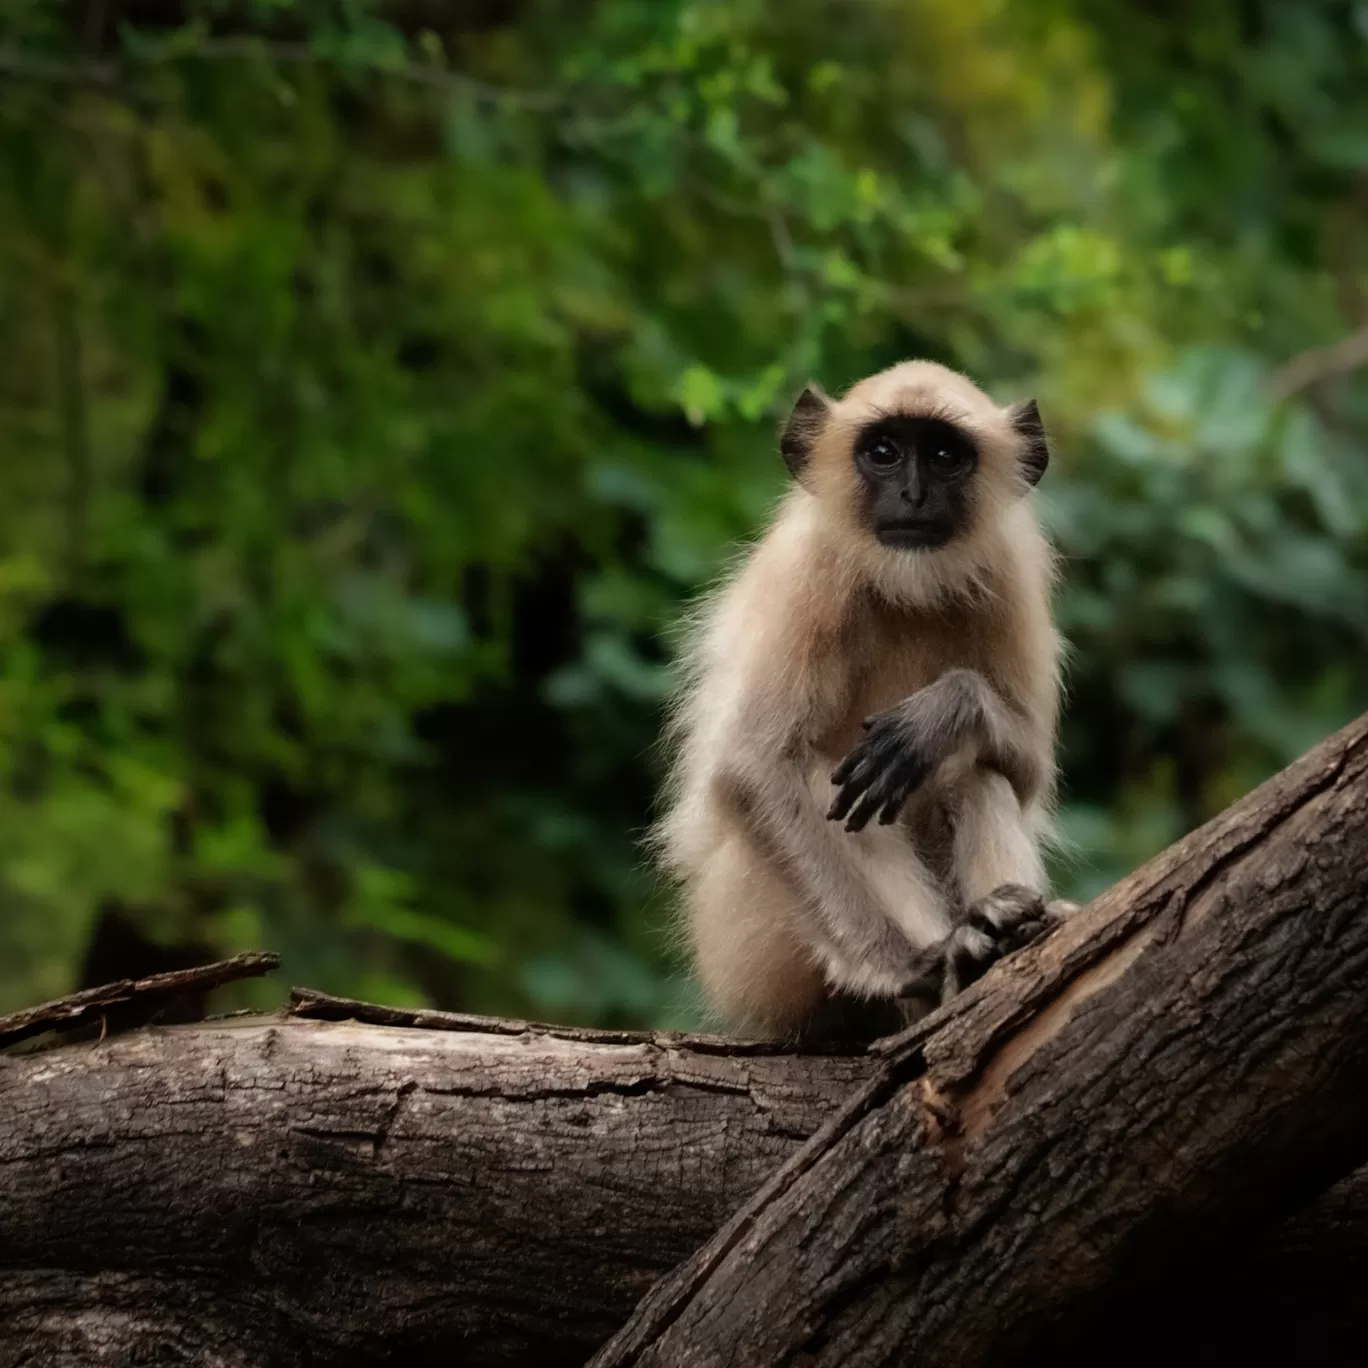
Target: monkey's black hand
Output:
{"points": [[881, 772], [1008, 918]]}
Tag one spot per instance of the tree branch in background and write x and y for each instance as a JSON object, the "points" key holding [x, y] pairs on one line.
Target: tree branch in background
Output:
{"points": [[109, 73], [1319, 364], [130, 998]]}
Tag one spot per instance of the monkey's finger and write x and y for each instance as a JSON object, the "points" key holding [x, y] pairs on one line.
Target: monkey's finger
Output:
{"points": [[898, 793], [844, 799], [892, 809], [848, 797], [868, 806], [842, 803], [846, 768], [874, 749], [892, 778], [872, 782], [871, 768], [864, 810], [855, 778], [888, 732], [861, 755], [1023, 933], [906, 780], [888, 715]]}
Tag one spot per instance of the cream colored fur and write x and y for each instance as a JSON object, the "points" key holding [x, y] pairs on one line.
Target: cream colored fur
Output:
{"points": [[817, 628]]}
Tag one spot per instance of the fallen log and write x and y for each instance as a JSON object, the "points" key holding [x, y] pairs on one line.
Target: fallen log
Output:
{"points": [[1137, 1092], [203, 1194], [279, 1190], [343, 1184]]}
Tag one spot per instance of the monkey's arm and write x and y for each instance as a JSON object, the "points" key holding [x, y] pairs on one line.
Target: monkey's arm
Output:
{"points": [[904, 744], [843, 921], [997, 863]]}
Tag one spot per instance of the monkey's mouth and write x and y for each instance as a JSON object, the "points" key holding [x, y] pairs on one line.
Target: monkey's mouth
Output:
{"points": [[925, 534]]}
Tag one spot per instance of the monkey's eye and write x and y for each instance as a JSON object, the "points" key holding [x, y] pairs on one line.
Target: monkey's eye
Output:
{"points": [[883, 453], [947, 458]]}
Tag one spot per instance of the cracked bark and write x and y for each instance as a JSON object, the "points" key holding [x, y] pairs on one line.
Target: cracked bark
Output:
{"points": [[1118, 1104], [1106, 1113], [283, 1190]]}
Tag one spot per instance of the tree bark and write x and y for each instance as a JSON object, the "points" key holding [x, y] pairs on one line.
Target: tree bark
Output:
{"points": [[1138, 1090], [1167, 1071], [287, 1191], [174, 1197], [131, 1002]]}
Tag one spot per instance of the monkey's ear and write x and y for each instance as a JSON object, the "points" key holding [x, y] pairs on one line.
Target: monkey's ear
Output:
{"points": [[804, 426], [1035, 450]]}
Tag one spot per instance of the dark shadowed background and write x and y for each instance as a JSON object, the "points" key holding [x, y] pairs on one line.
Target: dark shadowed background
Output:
{"points": [[377, 381]]}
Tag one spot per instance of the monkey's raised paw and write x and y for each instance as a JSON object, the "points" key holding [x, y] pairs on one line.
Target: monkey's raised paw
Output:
{"points": [[1007, 919], [881, 772]]}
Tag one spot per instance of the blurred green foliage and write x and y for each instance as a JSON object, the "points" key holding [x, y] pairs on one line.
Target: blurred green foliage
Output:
{"points": [[379, 379]]}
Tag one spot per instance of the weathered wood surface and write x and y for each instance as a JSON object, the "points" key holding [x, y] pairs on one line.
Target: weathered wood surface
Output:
{"points": [[1164, 1072], [268, 1191], [1297, 1296], [206, 1195]]}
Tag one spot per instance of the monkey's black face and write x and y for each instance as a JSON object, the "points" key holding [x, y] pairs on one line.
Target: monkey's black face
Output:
{"points": [[916, 475]]}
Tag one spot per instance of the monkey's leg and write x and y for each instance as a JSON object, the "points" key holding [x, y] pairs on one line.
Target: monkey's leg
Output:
{"points": [[993, 843], [750, 960], [834, 909], [858, 1008], [1001, 878], [766, 966]]}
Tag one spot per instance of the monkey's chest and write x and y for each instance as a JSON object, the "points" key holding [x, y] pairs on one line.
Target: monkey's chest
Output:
{"points": [[894, 674]]}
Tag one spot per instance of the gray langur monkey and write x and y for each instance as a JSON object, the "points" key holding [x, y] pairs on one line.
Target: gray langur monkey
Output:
{"points": [[886, 651]]}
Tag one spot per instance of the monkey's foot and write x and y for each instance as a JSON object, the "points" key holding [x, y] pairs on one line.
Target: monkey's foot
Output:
{"points": [[1008, 918]]}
